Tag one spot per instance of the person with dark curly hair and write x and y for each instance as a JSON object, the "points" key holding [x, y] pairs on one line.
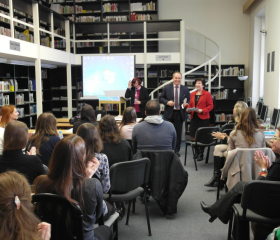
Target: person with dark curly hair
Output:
{"points": [[116, 148]]}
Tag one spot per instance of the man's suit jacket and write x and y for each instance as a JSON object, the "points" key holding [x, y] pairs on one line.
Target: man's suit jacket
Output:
{"points": [[143, 97], [167, 95]]}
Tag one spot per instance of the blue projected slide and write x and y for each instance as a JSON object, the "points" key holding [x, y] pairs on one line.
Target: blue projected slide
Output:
{"points": [[106, 75]]}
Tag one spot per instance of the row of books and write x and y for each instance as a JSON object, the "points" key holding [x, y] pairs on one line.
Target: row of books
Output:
{"points": [[115, 19], [232, 71], [20, 112], [25, 36], [5, 31], [62, 9], [59, 31], [152, 73], [22, 13], [166, 72], [33, 109], [87, 19], [140, 17], [85, 44], [45, 42], [4, 5], [110, 7], [60, 43], [145, 7], [114, 43], [5, 85], [223, 117], [139, 73], [110, 107], [4, 100], [3, 19], [221, 94]]}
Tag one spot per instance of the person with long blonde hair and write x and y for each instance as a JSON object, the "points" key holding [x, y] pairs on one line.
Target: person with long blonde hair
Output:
{"points": [[220, 150], [45, 137], [17, 220]]}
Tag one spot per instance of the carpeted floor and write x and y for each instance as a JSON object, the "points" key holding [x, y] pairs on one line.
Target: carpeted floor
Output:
{"points": [[190, 222]]}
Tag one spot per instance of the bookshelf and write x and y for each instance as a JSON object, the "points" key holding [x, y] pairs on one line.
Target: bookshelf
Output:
{"points": [[18, 87]]}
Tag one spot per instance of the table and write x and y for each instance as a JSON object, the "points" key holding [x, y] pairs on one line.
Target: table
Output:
{"points": [[64, 131], [64, 125], [120, 101], [62, 120]]}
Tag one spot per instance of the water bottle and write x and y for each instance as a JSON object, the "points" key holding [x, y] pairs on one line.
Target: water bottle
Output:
{"points": [[267, 124], [60, 134]]}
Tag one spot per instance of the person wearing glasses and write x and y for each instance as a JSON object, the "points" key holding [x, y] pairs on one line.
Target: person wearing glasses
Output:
{"points": [[221, 208]]}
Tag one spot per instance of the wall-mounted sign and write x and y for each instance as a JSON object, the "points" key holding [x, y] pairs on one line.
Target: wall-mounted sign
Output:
{"points": [[14, 46], [163, 58]]}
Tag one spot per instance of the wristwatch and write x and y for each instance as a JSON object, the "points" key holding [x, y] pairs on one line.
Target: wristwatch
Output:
{"points": [[264, 170]]}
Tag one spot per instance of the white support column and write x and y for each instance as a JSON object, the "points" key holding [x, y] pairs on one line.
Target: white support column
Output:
{"points": [[38, 77], [209, 77], [108, 36], [182, 49], [52, 30], [68, 69], [145, 57], [11, 6]]}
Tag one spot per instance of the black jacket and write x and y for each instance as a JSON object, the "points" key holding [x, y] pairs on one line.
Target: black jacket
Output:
{"points": [[168, 178], [143, 98]]}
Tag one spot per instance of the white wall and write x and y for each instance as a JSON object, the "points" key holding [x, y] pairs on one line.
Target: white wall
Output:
{"points": [[272, 43], [222, 21]]}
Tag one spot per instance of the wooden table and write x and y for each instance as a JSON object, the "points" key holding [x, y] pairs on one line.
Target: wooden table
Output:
{"points": [[64, 125], [64, 132], [120, 101], [62, 120]]}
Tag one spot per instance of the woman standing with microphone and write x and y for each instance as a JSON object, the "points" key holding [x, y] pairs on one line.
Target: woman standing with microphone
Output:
{"points": [[202, 100], [138, 96]]}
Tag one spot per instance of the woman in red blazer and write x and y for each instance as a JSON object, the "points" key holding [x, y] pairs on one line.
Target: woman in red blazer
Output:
{"points": [[202, 100]]}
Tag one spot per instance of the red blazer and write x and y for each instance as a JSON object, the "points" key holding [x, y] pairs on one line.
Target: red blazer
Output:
{"points": [[205, 103]]}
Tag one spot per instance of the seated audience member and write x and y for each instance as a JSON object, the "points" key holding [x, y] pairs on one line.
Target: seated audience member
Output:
{"points": [[17, 219], [221, 208], [220, 150], [128, 122], [8, 114], [115, 148], [87, 116], [89, 133], [45, 137], [13, 158], [70, 176], [154, 133]]}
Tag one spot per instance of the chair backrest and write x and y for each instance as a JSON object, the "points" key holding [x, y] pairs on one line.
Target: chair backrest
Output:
{"points": [[204, 135], [127, 176], [130, 143], [262, 197], [227, 126], [66, 219], [227, 132]]}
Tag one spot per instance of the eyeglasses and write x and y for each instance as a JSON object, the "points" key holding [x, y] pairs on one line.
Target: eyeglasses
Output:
{"points": [[275, 138]]}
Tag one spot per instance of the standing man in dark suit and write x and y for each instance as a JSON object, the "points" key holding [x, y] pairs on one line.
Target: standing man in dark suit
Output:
{"points": [[175, 97]]}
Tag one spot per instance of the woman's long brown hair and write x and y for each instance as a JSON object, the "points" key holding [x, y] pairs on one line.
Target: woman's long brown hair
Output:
{"points": [[108, 130], [129, 116], [247, 125], [93, 141], [45, 127], [67, 170], [16, 224]]}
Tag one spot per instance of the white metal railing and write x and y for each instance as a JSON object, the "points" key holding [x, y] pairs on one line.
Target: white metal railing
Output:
{"points": [[209, 62]]}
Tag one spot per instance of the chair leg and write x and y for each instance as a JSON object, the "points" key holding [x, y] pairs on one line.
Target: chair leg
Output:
{"points": [[133, 206], [207, 157], [128, 211], [230, 224], [147, 214], [218, 188], [186, 148], [194, 158], [115, 230]]}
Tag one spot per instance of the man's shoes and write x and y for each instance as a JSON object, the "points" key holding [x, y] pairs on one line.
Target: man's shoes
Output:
{"points": [[178, 154], [170, 215], [205, 208]]}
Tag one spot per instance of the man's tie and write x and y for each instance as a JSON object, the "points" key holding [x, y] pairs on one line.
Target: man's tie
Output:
{"points": [[176, 98]]}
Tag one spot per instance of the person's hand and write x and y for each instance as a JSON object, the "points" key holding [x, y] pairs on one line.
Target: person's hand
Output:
{"points": [[129, 84], [199, 111], [92, 167], [44, 230], [185, 105], [137, 102], [219, 135], [170, 103], [262, 160], [32, 151]]}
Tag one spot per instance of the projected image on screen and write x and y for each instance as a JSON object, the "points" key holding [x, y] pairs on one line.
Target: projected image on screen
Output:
{"points": [[106, 75]]}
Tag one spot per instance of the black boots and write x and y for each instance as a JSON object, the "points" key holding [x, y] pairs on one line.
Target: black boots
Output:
{"points": [[205, 208], [216, 175], [199, 153]]}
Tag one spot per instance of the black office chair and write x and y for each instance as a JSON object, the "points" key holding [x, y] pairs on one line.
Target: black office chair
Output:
{"points": [[130, 143], [126, 181], [66, 218], [203, 138], [259, 203]]}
